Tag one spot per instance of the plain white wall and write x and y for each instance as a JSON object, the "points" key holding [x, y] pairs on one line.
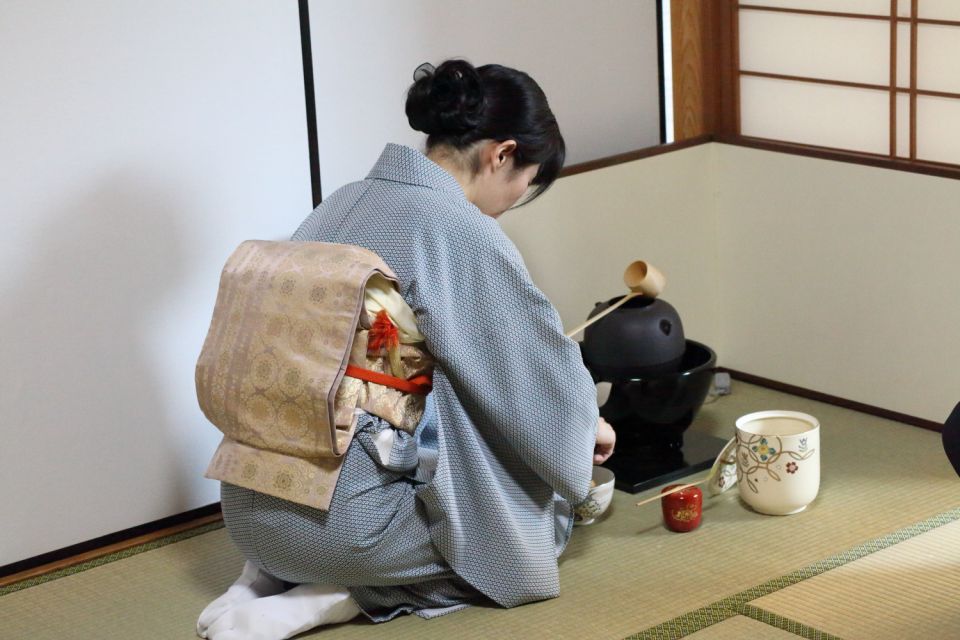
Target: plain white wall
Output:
{"points": [[595, 61], [832, 276], [840, 278], [579, 236], [141, 142]]}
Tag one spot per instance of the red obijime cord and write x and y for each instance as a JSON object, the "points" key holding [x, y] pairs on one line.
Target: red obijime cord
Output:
{"points": [[421, 385], [384, 335]]}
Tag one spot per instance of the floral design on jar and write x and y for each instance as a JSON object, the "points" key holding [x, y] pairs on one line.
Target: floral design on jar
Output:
{"points": [[763, 449], [685, 515], [758, 454]]}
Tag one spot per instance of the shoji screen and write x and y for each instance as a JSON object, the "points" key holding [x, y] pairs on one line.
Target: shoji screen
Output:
{"points": [[872, 76]]}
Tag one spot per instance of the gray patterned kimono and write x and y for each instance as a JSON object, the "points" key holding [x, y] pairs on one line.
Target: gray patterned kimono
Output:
{"points": [[510, 425]]}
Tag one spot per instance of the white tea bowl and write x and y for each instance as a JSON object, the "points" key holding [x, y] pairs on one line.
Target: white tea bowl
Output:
{"points": [[598, 499]]}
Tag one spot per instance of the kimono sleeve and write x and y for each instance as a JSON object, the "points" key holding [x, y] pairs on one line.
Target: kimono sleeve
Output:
{"points": [[500, 342]]}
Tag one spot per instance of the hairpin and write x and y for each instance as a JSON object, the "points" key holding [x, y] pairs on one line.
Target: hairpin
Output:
{"points": [[424, 70]]}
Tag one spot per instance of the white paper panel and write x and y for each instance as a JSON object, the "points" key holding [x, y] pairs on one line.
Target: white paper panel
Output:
{"points": [[938, 129], [815, 46], [903, 8], [903, 125], [903, 55], [808, 113], [940, 9], [874, 7], [938, 50]]}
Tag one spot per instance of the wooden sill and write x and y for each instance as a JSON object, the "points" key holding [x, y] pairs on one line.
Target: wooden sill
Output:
{"points": [[99, 552]]}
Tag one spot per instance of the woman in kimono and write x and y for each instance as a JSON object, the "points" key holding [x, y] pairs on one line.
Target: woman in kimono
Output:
{"points": [[476, 505]]}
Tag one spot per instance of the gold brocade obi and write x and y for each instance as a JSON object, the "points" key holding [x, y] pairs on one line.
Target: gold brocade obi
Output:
{"points": [[273, 372]]}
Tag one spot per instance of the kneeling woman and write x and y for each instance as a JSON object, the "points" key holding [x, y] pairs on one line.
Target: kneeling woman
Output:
{"points": [[476, 505]]}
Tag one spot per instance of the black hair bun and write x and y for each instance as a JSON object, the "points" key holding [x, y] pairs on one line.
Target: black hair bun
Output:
{"points": [[448, 100]]}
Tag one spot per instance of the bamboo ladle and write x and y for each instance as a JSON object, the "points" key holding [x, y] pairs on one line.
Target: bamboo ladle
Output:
{"points": [[726, 460], [642, 278]]}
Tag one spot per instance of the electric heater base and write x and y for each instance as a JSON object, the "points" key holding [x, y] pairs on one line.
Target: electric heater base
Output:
{"points": [[645, 467]]}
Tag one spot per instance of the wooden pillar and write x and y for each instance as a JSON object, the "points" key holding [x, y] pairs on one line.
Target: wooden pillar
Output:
{"points": [[705, 78]]}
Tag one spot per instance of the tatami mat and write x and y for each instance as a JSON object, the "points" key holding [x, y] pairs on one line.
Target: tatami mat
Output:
{"points": [[622, 575], [909, 590], [741, 628]]}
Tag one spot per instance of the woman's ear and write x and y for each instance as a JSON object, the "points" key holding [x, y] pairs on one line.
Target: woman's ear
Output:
{"points": [[504, 151]]}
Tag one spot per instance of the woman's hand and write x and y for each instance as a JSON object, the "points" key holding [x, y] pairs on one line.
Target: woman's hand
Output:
{"points": [[606, 439]]}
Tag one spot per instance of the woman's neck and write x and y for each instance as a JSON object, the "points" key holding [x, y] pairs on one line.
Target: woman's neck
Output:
{"points": [[455, 168]]}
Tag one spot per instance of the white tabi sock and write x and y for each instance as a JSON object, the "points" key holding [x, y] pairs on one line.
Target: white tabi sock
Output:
{"points": [[251, 584], [286, 614]]}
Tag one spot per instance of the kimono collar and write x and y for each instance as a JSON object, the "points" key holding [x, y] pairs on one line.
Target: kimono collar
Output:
{"points": [[400, 163]]}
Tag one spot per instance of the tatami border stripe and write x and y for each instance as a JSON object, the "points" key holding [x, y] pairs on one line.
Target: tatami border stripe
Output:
{"points": [[112, 557], [785, 624], [738, 604]]}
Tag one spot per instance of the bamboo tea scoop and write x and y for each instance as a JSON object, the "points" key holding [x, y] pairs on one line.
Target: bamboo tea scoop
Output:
{"points": [[722, 475], [642, 279]]}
